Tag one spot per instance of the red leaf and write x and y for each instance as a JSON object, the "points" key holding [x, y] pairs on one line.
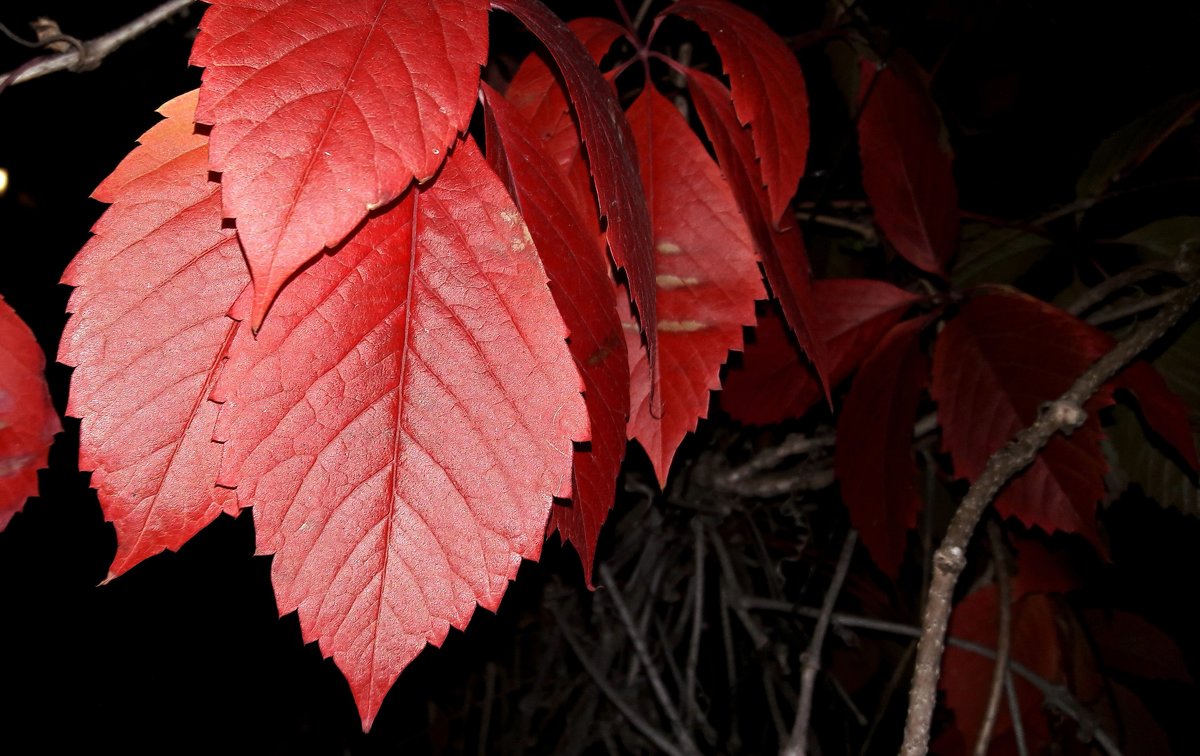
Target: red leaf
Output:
{"points": [[993, 367], [707, 277], [541, 101], [907, 168], [147, 338], [966, 675], [401, 424], [874, 461], [577, 267], [768, 92], [1010, 353], [1128, 643], [605, 131], [319, 116], [774, 384], [780, 247], [28, 421]]}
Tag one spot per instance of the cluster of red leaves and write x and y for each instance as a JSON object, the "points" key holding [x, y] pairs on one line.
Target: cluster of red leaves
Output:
{"points": [[313, 296]]}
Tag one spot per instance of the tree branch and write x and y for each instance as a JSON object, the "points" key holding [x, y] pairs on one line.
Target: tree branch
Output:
{"points": [[85, 56], [1064, 414], [798, 744]]}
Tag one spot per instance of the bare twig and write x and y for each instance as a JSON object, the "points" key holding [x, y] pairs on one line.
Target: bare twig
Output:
{"points": [[87, 55], [1064, 414], [1056, 696], [693, 658], [1003, 640], [648, 731], [1137, 307], [687, 745], [1014, 713], [1111, 285], [864, 230], [811, 660]]}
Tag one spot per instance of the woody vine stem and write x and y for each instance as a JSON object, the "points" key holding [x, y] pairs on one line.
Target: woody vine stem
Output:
{"points": [[1064, 414]]}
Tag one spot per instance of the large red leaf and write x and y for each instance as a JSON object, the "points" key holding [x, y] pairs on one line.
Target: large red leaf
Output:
{"points": [[321, 113], [577, 267], [907, 167], [28, 421], [610, 146], [707, 276], [773, 383], [401, 423], [147, 338], [780, 247], [874, 461], [996, 363], [768, 92]]}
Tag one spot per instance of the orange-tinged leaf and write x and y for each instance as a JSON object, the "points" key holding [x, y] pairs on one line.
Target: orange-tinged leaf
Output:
{"points": [[322, 112], [707, 277], [577, 267], [28, 421], [907, 168], [611, 152], [147, 338], [768, 93], [401, 423], [774, 383], [780, 246], [874, 461]]}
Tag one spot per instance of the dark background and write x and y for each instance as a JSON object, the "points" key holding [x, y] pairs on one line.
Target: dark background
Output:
{"points": [[186, 652]]}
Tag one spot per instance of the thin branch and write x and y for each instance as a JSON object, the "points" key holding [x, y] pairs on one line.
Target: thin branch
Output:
{"points": [[1064, 414], [864, 230], [639, 646], [647, 730], [1056, 696], [1014, 713], [1129, 310], [811, 660], [1003, 640], [1111, 285], [89, 54], [693, 658]]}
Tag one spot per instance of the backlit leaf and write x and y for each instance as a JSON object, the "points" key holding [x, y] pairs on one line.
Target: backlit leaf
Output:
{"points": [[707, 277], [768, 93], [147, 339], [323, 112], [577, 267], [401, 423]]}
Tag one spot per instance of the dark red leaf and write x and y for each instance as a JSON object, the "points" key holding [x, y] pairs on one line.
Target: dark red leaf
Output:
{"points": [[768, 93], [28, 421], [907, 166], [707, 277], [322, 113], [779, 247], [996, 363], [538, 96], [148, 336], [611, 150], [773, 382], [1128, 643], [402, 422], [993, 367], [577, 267], [874, 461], [965, 674]]}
